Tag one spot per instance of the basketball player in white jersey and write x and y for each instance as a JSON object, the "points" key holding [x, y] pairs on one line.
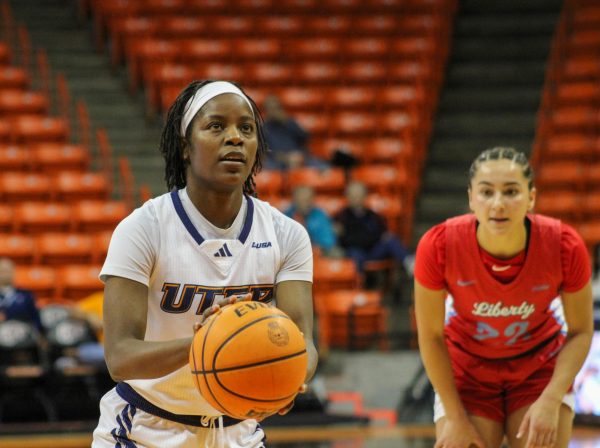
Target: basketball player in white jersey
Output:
{"points": [[181, 256]]}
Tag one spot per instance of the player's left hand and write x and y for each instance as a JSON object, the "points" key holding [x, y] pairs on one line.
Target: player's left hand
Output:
{"points": [[540, 423], [216, 308]]}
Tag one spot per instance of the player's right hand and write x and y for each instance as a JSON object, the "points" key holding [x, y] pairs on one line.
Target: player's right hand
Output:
{"points": [[459, 434], [216, 308]]}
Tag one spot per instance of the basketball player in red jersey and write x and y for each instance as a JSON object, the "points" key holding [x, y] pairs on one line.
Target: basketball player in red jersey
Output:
{"points": [[498, 347]]}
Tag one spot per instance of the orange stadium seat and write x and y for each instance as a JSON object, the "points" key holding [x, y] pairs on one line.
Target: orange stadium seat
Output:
{"points": [[33, 128], [208, 50], [574, 93], [353, 124], [317, 73], [277, 25], [14, 78], [410, 71], [580, 68], [78, 281], [333, 25], [232, 72], [565, 205], [356, 97], [376, 24], [76, 185], [92, 216], [101, 241], [365, 72], [414, 47], [21, 249], [353, 318], [161, 74], [64, 248], [383, 179], [123, 29], [334, 273], [39, 217], [6, 217], [366, 48], [14, 102], [577, 118], [270, 183], [5, 54], [400, 96], [590, 206], [268, 73], [397, 122], [165, 7], [24, 186], [259, 49], [183, 26], [5, 131], [388, 149], [14, 158], [41, 280], [329, 181], [141, 51], [316, 123], [560, 175], [50, 157], [302, 98], [226, 26], [570, 146]]}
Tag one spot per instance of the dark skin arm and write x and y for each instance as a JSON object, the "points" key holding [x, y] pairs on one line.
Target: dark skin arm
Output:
{"points": [[128, 356], [295, 299]]}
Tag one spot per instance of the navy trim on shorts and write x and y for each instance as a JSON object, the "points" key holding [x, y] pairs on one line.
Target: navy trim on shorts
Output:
{"points": [[128, 393]]}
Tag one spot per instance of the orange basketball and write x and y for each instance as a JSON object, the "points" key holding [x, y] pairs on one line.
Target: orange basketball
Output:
{"points": [[249, 360]]}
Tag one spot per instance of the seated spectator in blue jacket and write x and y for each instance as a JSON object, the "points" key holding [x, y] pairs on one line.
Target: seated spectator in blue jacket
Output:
{"points": [[317, 222], [286, 138], [363, 233], [16, 303]]}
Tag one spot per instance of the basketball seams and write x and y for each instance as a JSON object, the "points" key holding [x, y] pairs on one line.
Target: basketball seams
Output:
{"points": [[220, 345], [222, 408], [248, 366]]}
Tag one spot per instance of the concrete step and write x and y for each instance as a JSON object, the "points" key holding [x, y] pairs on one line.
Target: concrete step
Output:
{"points": [[506, 24], [469, 98], [495, 75], [510, 6], [462, 151], [490, 124], [501, 48]]}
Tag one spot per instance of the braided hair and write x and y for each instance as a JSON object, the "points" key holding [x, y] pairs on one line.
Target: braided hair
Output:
{"points": [[172, 142], [503, 153]]}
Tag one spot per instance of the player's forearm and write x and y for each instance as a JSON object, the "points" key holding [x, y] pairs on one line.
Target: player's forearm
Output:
{"points": [[439, 370], [131, 359], [569, 361]]}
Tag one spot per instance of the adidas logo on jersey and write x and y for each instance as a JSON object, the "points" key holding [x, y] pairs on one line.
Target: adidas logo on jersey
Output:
{"points": [[223, 252]]}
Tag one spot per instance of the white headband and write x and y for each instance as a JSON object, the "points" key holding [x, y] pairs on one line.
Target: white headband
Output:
{"points": [[204, 95]]}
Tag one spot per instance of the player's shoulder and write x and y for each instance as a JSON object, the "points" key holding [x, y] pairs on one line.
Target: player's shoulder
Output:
{"points": [[146, 214]]}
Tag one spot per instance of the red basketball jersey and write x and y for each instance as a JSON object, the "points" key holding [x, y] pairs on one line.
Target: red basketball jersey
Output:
{"points": [[496, 320]]}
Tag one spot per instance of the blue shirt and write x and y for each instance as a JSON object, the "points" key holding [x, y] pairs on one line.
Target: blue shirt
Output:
{"points": [[318, 225], [20, 304]]}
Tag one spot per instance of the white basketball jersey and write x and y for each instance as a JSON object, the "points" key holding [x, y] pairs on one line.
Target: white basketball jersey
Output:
{"points": [[189, 273]]}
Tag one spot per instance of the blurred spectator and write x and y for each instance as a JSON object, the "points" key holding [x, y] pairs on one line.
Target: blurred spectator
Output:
{"points": [[317, 223], [90, 310], [15, 303], [287, 140], [363, 233]]}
